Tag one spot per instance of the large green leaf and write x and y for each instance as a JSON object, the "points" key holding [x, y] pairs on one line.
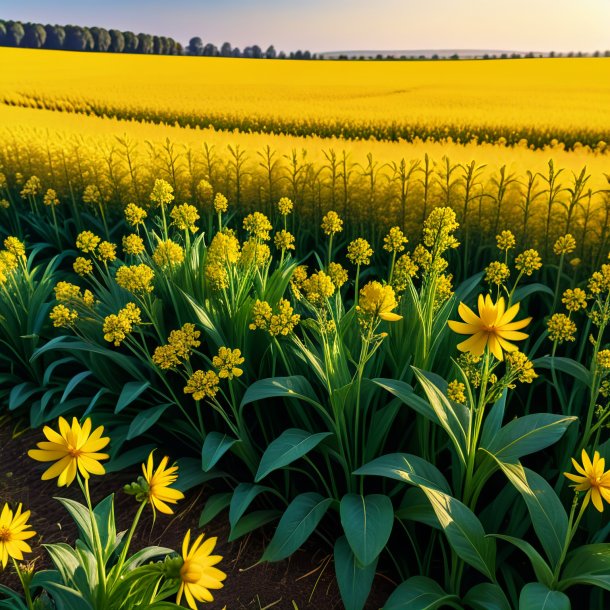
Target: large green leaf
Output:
{"points": [[589, 565], [565, 365], [546, 510], [406, 394], [298, 522], [215, 445], [291, 445], [407, 468], [280, 387], [144, 420], [131, 390], [214, 505], [493, 420], [367, 522], [535, 596], [252, 521], [464, 532], [486, 596], [420, 593], [243, 495], [453, 417], [526, 435], [354, 580], [541, 568]]}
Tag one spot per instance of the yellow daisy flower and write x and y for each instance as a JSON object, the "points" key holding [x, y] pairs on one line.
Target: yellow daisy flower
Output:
{"points": [[493, 327], [591, 479], [160, 494], [197, 574], [13, 534], [74, 449]]}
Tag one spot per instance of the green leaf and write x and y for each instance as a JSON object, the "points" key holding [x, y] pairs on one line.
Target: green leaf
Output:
{"points": [[131, 390], [144, 556], [243, 495], [493, 420], [486, 596], [464, 532], [20, 393], [190, 474], [74, 381], [453, 417], [354, 580], [295, 386], [543, 573], [252, 521], [535, 596], [406, 394], [145, 420], [528, 289], [416, 507], [527, 434], [565, 365], [419, 593], [291, 445], [546, 510], [367, 522], [298, 522], [215, 445], [407, 468], [587, 565], [214, 505]]}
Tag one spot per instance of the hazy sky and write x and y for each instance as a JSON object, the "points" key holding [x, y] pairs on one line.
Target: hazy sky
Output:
{"points": [[327, 25]]}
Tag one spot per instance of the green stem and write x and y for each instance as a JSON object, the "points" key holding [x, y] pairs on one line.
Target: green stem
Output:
{"points": [[99, 554], [119, 565], [26, 588]]}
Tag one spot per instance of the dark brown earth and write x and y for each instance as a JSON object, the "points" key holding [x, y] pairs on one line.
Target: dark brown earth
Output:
{"points": [[307, 578]]}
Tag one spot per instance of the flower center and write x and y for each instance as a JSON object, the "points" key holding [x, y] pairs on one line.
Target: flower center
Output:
{"points": [[489, 329], [74, 452], [5, 534], [191, 572]]}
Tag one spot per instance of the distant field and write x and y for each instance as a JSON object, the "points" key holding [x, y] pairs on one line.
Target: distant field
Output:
{"points": [[542, 101]]}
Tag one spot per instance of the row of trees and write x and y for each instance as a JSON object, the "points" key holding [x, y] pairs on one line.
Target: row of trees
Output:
{"points": [[196, 47], [77, 38]]}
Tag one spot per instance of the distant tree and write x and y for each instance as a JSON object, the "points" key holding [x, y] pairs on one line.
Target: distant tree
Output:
{"points": [[270, 53], [117, 41], [195, 46], [486, 56], [226, 50], [298, 54], [552, 54], [131, 42], [145, 43], [596, 54], [2, 33], [257, 52], [14, 33], [236, 52], [34, 36], [158, 48], [210, 50], [281, 55], [179, 49], [306, 54], [56, 37], [101, 39], [435, 56], [515, 56], [247, 53], [78, 39], [570, 54]]}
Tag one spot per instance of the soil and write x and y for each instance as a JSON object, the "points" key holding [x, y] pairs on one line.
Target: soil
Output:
{"points": [[305, 579]]}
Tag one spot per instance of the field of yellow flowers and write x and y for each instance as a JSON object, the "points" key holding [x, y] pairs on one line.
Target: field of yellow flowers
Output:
{"points": [[398, 350]]}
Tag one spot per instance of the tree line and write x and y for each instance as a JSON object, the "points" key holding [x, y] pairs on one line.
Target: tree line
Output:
{"points": [[78, 38], [197, 47]]}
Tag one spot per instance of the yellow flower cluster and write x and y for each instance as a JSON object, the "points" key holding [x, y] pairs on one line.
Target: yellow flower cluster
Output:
{"points": [[505, 241], [331, 223], [221, 204], [497, 273], [82, 266], [338, 275], [134, 215], [162, 193], [564, 245], [133, 244], [439, 228], [32, 187], [561, 328], [65, 292], [62, 316], [227, 362], [359, 251], [299, 275], [87, 241], [574, 299], [184, 217], [280, 323], [405, 269], [284, 206], [135, 278], [456, 392], [603, 359], [202, 385], [258, 226], [92, 195], [284, 240], [395, 240], [168, 253], [521, 367], [204, 191], [599, 282], [529, 261], [106, 252], [317, 288], [117, 327], [15, 246], [378, 301], [50, 198], [180, 346], [254, 253]]}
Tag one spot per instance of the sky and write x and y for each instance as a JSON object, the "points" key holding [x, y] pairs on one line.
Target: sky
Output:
{"points": [[336, 25]]}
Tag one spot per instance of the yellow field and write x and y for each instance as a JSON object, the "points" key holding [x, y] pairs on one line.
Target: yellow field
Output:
{"points": [[538, 99]]}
